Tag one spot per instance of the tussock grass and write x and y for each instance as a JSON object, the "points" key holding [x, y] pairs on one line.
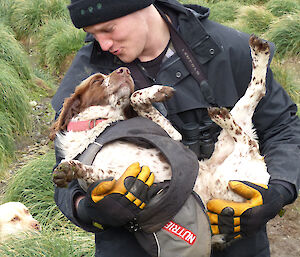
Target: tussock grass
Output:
{"points": [[245, 2], [6, 141], [67, 243], [256, 18], [12, 52], [45, 83], [279, 7], [32, 185], [285, 33], [224, 11], [28, 16], [14, 100], [14, 111], [251, 2], [57, 40], [283, 75], [6, 9]]}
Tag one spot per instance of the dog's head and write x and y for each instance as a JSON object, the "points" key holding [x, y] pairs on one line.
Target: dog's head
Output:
{"points": [[111, 90], [15, 218]]}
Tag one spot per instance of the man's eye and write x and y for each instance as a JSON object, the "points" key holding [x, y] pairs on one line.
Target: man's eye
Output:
{"points": [[110, 29]]}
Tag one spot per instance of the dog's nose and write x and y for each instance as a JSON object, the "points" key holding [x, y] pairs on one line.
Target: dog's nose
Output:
{"points": [[123, 70], [35, 225]]}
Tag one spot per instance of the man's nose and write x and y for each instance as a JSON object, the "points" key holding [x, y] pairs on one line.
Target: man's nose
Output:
{"points": [[105, 42]]}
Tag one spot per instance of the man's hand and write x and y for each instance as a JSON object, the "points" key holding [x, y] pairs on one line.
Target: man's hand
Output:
{"points": [[237, 220], [116, 202], [133, 184]]}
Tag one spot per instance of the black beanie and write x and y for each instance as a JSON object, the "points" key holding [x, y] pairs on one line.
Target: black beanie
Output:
{"points": [[89, 12]]}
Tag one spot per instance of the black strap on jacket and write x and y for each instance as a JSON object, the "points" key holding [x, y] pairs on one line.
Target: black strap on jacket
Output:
{"points": [[190, 62]]}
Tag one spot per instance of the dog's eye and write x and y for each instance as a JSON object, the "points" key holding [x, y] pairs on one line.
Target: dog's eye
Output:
{"points": [[15, 219], [26, 211], [98, 82]]}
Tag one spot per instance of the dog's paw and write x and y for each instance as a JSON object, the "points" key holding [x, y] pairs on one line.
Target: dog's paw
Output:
{"points": [[162, 93], [218, 113], [64, 173], [258, 45], [260, 53], [156, 93]]}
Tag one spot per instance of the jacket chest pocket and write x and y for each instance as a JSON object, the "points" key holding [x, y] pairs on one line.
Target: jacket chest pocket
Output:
{"points": [[188, 94]]}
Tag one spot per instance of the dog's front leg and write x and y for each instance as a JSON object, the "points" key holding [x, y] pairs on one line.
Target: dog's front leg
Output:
{"points": [[66, 171], [142, 100]]}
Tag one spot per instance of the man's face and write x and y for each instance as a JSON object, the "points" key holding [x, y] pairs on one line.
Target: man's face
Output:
{"points": [[125, 37]]}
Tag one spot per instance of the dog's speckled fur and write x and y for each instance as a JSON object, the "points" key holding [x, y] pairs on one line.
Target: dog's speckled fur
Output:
{"points": [[236, 155]]}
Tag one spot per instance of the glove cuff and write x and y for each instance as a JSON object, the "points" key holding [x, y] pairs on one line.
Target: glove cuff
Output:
{"points": [[285, 193], [82, 213]]}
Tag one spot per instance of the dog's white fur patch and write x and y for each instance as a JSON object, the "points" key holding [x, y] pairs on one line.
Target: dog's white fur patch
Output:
{"points": [[14, 219]]}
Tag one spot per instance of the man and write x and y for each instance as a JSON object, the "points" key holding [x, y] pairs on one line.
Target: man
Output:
{"points": [[140, 34]]}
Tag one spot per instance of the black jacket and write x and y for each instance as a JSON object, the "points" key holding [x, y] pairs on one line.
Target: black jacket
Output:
{"points": [[225, 55]]}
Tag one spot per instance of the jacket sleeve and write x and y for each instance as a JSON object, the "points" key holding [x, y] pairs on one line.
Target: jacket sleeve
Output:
{"points": [[64, 199], [278, 129]]}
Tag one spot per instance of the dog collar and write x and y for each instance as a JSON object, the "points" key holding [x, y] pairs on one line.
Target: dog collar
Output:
{"points": [[84, 125]]}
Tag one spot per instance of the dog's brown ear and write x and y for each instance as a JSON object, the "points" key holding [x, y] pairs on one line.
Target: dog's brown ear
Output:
{"points": [[76, 103], [70, 109]]}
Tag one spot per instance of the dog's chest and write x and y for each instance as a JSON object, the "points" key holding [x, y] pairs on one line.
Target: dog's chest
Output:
{"points": [[114, 158]]}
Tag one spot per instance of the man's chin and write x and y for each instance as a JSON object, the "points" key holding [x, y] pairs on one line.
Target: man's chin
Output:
{"points": [[126, 59]]}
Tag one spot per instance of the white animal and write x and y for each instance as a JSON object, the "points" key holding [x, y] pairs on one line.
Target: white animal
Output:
{"points": [[14, 219]]}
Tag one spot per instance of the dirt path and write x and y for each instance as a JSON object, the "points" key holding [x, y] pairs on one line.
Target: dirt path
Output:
{"points": [[284, 232]]}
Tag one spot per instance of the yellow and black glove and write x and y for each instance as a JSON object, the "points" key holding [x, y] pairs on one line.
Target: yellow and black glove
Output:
{"points": [[113, 202], [237, 220]]}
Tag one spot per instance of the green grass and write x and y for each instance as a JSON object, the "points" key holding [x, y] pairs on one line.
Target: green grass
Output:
{"points": [[279, 7], [6, 9], [283, 75], [245, 2], [255, 18], [54, 43], [65, 243], [285, 33], [32, 185], [15, 83], [224, 11], [7, 145], [14, 111], [13, 53], [28, 16]]}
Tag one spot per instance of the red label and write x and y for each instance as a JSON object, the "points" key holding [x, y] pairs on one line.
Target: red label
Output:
{"points": [[180, 232]]}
